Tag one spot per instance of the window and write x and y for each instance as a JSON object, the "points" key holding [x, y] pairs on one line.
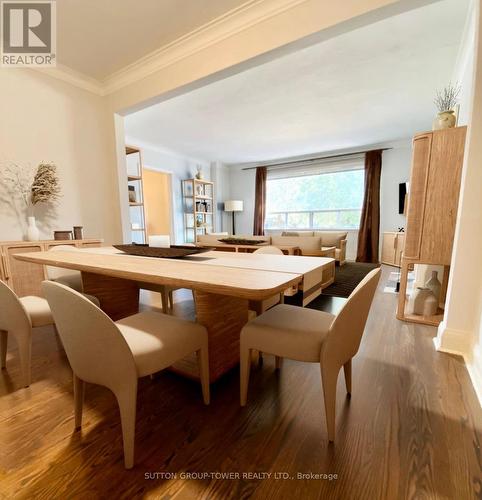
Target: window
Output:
{"points": [[331, 200]]}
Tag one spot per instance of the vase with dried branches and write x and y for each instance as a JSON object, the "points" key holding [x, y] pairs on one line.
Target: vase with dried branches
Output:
{"points": [[446, 100], [30, 187]]}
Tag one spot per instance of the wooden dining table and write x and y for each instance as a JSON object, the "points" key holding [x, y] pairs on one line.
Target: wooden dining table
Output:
{"points": [[223, 285]]}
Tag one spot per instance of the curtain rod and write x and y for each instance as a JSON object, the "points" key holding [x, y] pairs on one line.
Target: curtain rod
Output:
{"points": [[288, 163]]}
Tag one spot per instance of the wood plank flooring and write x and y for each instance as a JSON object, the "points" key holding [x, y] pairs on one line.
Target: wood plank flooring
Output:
{"points": [[412, 428]]}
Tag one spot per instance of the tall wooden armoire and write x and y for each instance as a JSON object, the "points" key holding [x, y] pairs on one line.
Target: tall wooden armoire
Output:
{"points": [[432, 210]]}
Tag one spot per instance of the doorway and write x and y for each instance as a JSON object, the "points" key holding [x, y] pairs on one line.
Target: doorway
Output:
{"points": [[158, 201]]}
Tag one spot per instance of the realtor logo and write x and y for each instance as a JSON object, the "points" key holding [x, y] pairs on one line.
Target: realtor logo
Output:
{"points": [[28, 33]]}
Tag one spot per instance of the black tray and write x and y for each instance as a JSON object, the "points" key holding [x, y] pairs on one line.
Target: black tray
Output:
{"points": [[172, 252]]}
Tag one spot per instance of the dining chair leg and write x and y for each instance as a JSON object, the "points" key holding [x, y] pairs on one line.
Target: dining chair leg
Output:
{"points": [[245, 366], [126, 399], [203, 361], [25, 354], [347, 370], [278, 362], [79, 389], [3, 347], [329, 376], [170, 300]]}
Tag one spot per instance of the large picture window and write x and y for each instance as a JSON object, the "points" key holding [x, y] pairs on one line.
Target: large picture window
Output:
{"points": [[330, 200]]}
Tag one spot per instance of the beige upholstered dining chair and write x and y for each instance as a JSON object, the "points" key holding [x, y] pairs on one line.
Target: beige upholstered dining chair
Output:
{"points": [[269, 249], [116, 354], [18, 317], [68, 277], [312, 336]]}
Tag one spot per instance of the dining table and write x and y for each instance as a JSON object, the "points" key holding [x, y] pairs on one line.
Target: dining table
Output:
{"points": [[224, 284]]}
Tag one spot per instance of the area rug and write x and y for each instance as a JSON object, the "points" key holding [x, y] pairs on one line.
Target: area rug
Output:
{"points": [[347, 278]]}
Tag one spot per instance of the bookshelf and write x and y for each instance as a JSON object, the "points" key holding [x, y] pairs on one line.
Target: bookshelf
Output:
{"points": [[198, 208], [137, 218]]}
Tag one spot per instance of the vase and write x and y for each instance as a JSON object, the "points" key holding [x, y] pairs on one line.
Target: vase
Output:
{"points": [[430, 305], [445, 119], [33, 234], [416, 302], [434, 285]]}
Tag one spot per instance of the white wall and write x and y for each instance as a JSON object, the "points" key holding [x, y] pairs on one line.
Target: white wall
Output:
{"points": [[461, 330], [465, 65], [180, 168], [242, 184], [45, 119], [396, 165], [220, 177]]}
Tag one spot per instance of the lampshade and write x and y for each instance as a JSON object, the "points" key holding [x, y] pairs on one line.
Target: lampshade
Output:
{"points": [[233, 206]]}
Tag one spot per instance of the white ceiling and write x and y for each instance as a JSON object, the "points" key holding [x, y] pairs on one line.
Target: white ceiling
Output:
{"points": [[370, 85], [99, 37]]}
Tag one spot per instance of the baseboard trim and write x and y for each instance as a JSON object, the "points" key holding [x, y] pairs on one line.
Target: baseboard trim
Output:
{"points": [[458, 342], [474, 367]]}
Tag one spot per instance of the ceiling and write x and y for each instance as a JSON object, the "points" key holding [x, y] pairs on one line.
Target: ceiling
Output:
{"points": [[99, 37], [371, 85]]}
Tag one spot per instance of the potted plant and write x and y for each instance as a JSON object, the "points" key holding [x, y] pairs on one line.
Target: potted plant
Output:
{"points": [[445, 101]]}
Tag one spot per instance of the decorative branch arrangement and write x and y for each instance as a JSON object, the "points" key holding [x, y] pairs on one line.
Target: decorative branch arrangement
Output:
{"points": [[45, 187], [31, 187], [446, 99]]}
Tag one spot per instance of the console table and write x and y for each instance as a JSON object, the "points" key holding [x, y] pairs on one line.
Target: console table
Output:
{"points": [[24, 278]]}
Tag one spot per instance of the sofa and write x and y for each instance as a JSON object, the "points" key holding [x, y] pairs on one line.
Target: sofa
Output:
{"points": [[310, 242], [335, 239]]}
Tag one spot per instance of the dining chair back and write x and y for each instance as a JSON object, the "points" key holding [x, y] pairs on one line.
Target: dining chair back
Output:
{"points": [[344, 337], [17, 317], [68, 277], [96, 350], [269, 249]]}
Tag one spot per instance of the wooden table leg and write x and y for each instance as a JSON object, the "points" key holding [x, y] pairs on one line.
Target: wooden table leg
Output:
{"points": [[118, 297], [224, 317]]}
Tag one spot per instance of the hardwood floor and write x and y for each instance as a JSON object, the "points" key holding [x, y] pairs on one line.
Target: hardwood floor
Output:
{"points": [[410, 430]]}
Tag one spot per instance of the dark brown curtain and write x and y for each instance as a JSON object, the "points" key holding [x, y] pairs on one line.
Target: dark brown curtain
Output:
{"points": [[370, 217], [260, 201]]}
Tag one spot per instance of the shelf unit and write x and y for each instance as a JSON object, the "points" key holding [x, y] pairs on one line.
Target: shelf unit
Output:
{"points": [[136, 208], [198, 208]]}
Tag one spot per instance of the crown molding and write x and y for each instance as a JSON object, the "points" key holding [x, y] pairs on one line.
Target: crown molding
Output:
{"points": [[73, 77], [225, 26], [234, 21]]}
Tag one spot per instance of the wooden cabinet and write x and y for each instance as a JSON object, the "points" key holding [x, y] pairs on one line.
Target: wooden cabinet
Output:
{"points": [[25, 278], [434, 194], [432, 207], [392, 248]]}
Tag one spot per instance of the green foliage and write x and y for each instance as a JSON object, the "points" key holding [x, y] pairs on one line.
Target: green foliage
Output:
{"points": [[316, 192], [331, 191]]}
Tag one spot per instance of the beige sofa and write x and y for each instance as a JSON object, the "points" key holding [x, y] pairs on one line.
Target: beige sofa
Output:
{"points": [[335, 239], [309, 242]]}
